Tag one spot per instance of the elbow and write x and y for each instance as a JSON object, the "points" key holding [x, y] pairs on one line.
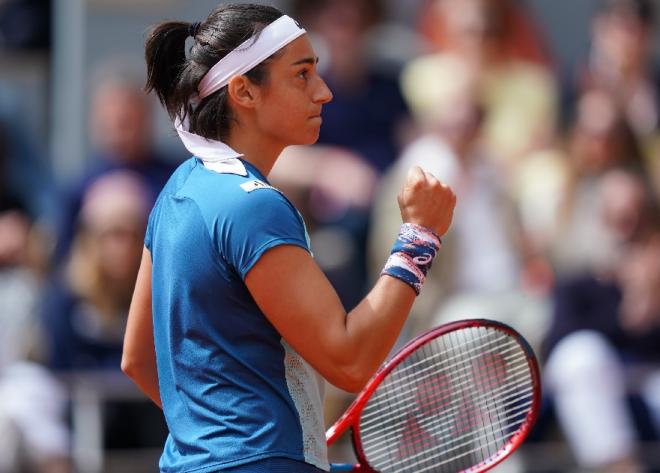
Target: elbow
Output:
{"points": [[129, 366], [126, 366], [350, 378], [353, 386]]}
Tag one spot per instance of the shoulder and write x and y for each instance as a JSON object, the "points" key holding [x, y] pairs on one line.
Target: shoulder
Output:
{"points": [[254, 196], [222, 196], [178, 178]]}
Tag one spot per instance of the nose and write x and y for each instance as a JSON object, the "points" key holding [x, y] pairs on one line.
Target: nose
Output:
{"points": [[322, 93]]}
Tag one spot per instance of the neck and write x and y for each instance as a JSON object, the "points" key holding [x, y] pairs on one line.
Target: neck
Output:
{"points": [[259, 150]]}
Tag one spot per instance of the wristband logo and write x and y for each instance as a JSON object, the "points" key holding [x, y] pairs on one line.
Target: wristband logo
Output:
{"points": [[424, 259]]}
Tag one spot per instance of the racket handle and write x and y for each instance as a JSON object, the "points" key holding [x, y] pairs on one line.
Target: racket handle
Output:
{"points": [[344, 467]]}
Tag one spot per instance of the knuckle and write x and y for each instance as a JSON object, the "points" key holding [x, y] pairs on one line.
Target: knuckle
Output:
{"points": [[430, 175], [416, 175], [415, 182]]}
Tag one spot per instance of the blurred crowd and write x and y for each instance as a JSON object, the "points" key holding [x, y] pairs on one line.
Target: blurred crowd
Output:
{"points": [[556, 229]]}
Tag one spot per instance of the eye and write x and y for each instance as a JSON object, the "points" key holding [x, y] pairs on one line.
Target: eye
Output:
{"points": [[303, 74]]}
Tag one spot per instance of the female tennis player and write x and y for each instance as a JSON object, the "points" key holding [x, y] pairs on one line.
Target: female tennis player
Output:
{"points": [[231, 319]]}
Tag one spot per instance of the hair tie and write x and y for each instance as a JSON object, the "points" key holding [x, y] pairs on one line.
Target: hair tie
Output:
{"points": [[192, 29]]}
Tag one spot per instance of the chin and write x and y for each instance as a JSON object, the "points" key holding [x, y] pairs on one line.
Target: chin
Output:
{"points": [[307, 140], [314, 136], [313, 140]]}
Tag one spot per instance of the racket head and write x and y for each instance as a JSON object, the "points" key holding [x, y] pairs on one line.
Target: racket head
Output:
{"points": [[436, 414]]}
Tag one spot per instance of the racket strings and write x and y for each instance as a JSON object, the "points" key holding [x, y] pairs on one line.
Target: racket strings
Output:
{"points": [[411, 364], [453, 404], [432, 369], [466, 424], [453, 445], [417, 466], [504, 392], [459, 423], [406, 391], [473, 419], [402, 405], [447, 427]]}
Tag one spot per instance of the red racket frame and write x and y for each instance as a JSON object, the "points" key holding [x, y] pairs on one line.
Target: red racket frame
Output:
{"points": [[351, 418]]}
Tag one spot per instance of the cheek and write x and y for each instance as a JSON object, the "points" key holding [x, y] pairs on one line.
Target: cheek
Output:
{"points": [[289, 122], [276, 116]]}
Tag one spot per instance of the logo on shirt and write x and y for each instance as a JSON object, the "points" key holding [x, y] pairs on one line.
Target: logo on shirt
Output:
{"points": [[254, 185]]}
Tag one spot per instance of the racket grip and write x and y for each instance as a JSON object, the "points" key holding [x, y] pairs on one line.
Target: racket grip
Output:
{"points": [[344, 467]]}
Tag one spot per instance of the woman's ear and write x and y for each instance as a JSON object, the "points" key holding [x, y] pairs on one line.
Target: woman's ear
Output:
{"points": [[242, 92]]}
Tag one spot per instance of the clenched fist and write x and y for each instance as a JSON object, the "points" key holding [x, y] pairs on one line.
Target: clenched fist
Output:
{"points": [[424, 200]]}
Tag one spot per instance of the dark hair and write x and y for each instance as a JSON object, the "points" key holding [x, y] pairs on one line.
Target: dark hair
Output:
{"points": [[175, 76]]}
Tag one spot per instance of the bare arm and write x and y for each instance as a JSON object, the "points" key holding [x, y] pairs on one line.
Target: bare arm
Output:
{"points": [[297, 298], [139, 355]]}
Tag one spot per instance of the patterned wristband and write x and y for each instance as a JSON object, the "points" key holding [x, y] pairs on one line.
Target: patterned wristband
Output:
{"points": [[412, 255]]}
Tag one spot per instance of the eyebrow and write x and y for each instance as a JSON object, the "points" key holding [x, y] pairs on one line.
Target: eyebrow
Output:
{"points": [[307, 60]]}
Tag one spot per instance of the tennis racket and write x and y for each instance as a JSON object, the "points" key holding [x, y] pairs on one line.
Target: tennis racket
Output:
{"points": [[459, 398]]}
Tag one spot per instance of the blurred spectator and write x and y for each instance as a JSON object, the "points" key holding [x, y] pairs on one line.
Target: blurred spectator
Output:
{"points": [[367, 111], [479, 271], [620, 62], [25, 164], [86, 308], [606, 324], [35, 437], [32, 425], [538, 190], [521, 37], [599, 140], [519, 96], [121, 131], [25, 24]]}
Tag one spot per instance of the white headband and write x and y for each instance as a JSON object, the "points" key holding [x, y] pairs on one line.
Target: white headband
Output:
{"points": [[239, 61], [249, 54]]}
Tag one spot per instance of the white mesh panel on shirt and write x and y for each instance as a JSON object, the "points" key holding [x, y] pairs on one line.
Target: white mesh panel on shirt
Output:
{"points": [[306, 388]]}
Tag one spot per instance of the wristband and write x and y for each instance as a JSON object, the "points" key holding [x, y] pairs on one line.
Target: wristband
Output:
{"points": [[412, 255]]}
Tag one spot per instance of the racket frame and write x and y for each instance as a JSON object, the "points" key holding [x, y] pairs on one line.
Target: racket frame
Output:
{"points": [[351, 418]]}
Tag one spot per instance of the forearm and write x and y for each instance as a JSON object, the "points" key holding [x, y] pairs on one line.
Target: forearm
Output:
{"points": [[372, 328]]}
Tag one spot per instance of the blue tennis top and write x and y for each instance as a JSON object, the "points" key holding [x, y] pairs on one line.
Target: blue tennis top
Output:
{"points": [[233, 391]]}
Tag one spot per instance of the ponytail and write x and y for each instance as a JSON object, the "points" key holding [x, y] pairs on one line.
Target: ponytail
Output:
{"points": [[165, 53]]}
